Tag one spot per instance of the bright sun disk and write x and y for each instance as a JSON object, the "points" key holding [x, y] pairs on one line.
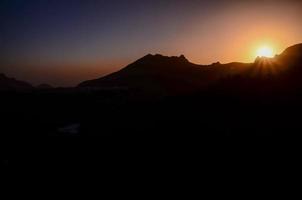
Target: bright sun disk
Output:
{"points": [[265, 52]]}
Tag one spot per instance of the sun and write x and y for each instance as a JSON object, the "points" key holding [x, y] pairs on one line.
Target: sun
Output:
{"points": [[265, 51]]}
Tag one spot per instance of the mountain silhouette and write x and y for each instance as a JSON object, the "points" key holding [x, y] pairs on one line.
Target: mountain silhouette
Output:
{"points": [[166, 75], [176, 75], [244, 99], [7, 83]]}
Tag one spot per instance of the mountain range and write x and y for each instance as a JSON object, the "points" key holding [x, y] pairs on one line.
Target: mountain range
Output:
{"points": [[164, 95], [166, 75], [176, 75], [163, 75]]}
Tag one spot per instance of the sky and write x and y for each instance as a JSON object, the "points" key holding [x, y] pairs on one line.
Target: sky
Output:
{"points": [[64, 42]]}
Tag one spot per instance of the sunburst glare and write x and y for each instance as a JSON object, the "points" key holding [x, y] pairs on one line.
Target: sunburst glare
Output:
{"points": [[265, 51]]}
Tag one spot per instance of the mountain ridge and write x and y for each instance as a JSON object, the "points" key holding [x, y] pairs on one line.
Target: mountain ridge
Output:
{"points": [[164, 74], [7, 83], [176, 74]]}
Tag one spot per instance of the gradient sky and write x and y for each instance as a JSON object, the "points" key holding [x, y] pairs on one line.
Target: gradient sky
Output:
{"points": [[63, 42]]}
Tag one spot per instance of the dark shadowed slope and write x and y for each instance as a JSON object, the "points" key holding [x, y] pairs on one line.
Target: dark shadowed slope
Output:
{"points": [[291, 55], [12, 84], [44, 87], [166, 75]]}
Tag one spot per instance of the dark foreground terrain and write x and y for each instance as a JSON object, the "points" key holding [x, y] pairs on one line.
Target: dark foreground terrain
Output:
{"points": [[165, 96]]}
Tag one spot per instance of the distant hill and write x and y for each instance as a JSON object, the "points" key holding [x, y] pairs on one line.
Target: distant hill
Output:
{"points": [[7, 83], [175, 75]]}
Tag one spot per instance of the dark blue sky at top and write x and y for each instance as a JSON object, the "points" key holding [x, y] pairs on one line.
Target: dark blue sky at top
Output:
{"points": [[42, 35], [63, 30]]}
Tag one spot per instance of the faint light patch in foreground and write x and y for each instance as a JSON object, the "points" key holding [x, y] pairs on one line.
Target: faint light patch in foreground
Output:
{"points": [[72, 129]]}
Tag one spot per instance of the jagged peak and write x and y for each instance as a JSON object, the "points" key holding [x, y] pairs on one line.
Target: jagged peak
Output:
{"points": [[262, 59], [182, 57], [149, 57], [216, 63]]}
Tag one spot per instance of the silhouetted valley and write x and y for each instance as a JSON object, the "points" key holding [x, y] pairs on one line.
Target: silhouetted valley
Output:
{"points": [[160, 95]]}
